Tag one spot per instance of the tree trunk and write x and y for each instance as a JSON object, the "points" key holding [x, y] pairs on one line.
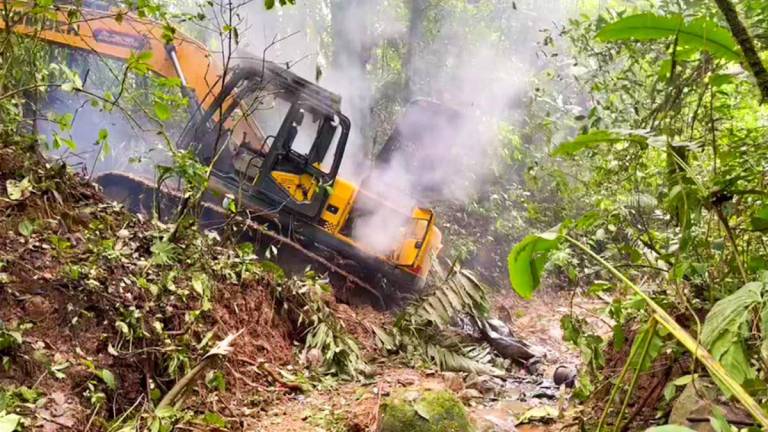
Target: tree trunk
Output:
{"points": [[741, 34], [418, 11]]}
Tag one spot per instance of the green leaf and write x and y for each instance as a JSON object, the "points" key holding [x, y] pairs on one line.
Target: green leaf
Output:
{"points": [[162, 111], [759, 219], [526, 261], [108, 378], [736, 362], [726, 330], [645, 26], [18, 190], [8, 422], [213, 419], [269, 4], [729, 314], [764, 329], [26, 227], [718, 421], [10, 339], [595, 138], [700, 33], [103, 141], [163, 252], [423, 409], [538, 414], [709, 36], [654, 349]]}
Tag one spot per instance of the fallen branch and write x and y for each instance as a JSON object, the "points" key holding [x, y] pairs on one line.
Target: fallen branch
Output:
{"points": [[174, 395], [278, 379]]}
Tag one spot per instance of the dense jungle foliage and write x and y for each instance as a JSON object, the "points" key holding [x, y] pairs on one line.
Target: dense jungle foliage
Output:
{"points": [[625, 162]]}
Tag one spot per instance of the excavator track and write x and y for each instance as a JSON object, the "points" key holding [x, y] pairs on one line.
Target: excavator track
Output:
{"points": [[141, 196]]}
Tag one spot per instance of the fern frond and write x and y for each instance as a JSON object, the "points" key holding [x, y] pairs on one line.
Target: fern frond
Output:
{"points": [[457, 293], [463, 360], [322, 329], [422, 328]]}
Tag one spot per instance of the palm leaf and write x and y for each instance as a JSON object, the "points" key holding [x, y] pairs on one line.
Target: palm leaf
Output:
{"points": [[700, 33], [460, 361]]}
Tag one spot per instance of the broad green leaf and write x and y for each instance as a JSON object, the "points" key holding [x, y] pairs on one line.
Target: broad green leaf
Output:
{"points": [[730, 313], [526, 261], [9, 422], [213, 419], [684, 380], [645, 26], [726, 328], [718, 80], [700, 33], [269, 4], [718, 421], [593, 139], [709, 36], [736, 362]]}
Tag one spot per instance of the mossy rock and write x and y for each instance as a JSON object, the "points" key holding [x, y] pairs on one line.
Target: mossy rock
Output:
{"points": [[429, 411]]}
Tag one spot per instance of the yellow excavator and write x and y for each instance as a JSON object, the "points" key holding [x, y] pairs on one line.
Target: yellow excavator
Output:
{"points": [[275, 142]]}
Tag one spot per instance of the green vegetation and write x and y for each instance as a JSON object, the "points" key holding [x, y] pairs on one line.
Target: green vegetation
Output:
{"points": [[636, 144], [667, 187]]}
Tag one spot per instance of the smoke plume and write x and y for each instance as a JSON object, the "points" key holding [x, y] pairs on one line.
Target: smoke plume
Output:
{"points": [[475, 57]]}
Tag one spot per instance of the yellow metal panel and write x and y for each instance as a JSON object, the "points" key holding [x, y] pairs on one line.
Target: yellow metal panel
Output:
{"points": [[421, 240], [300, 187], [341, 199]]}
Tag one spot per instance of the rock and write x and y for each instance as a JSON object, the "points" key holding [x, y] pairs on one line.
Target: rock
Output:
{"points": [[487, 385], [432, 411], [565, 375], [38, 308], [469, 394], [494, 423], [453, 381], [313, 358], [510, 348]]}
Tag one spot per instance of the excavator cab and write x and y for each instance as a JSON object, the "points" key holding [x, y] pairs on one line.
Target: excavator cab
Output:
{"points": [[276, 136]]}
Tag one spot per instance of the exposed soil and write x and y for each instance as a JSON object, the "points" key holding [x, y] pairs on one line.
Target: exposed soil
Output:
{"points": [[82, 291]]}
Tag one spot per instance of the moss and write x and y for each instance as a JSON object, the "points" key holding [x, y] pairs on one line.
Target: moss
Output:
{"points": [[431, 411]]}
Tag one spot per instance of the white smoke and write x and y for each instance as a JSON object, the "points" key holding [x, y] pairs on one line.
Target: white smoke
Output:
{"points": [[478, 60]]}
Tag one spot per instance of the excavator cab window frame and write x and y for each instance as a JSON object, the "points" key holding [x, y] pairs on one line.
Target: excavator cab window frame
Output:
{"points": [[280, 157]]}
